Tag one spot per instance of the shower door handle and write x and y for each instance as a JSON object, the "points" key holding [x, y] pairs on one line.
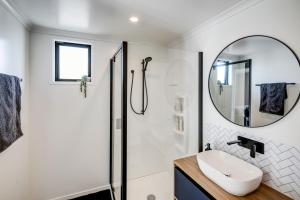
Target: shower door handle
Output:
{"points": [[118, 124]]}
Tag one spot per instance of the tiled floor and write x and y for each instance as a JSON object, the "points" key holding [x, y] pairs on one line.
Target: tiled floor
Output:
{"points": [[103, 195]]}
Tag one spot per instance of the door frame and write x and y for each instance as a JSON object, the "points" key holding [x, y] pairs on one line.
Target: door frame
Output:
{"points": [[200, 101], [123, 49]]}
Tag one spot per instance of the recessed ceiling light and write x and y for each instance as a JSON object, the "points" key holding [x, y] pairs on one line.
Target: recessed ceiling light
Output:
{"points": [[134, 19]]}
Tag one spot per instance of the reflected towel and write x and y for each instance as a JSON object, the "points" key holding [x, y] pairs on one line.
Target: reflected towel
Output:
{"points": [[272, 96], [10, 106]]}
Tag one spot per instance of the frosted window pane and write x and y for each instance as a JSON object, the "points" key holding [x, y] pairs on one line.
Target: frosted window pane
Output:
{"points": [[73, 62], [230, 75], [221, 74]]}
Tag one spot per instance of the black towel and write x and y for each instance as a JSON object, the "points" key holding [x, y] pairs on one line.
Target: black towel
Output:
{"points": [[10, 106], [272, 96]]}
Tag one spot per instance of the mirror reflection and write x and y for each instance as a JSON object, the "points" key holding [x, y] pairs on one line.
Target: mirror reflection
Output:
{"points": [[255, 81]]}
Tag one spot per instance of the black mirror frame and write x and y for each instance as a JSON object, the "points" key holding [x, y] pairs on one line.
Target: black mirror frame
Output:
{"points": [[297, 58]]}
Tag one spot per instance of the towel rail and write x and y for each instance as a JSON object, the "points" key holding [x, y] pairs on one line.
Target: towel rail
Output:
{"points": [[266, 83]]}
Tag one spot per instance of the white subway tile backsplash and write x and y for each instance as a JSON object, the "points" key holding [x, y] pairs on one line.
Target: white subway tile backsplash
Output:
{"points": [[286, 180], [284, 148], [285, 163], [295, 161], [285, 188], [280, 163], [296, 179], [286, 171], [285, 155], [296, 187], [296, 171]]}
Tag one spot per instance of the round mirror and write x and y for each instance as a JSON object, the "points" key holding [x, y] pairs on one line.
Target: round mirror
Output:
{"points": [[255, 81]]}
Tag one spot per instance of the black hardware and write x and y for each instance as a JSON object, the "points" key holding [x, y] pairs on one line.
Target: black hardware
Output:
{"points": [[253, 145], [207, 147], [265, 83], [200, 101], [248, 143], [111, 120], [234, 142], [124, 119], [253, 151], [230, 63], [144, 87]]}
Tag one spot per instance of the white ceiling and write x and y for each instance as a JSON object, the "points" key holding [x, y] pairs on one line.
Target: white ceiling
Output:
{"points": [[161, 21]]}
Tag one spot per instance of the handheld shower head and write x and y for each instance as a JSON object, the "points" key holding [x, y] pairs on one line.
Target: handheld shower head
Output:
{"points": [[146, 60]]}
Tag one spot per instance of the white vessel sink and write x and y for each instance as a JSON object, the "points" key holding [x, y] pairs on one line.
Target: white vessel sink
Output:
{"points": [[229, 172]]}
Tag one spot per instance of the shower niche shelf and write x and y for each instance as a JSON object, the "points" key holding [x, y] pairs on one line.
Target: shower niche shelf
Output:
{"points": [[180, 125], [178, 132]]}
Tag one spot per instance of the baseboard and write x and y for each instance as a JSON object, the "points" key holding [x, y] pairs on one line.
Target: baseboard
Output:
{"points": [[82, 193]]}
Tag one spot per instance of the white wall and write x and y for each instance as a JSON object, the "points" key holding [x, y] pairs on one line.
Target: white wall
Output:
{"points": [[69, 149], [147, 133], [151, 140], [276, 18], [13, 61], [281, 66]]}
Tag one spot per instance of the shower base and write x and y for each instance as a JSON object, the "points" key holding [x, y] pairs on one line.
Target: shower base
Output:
{"points": [[159, 185]]}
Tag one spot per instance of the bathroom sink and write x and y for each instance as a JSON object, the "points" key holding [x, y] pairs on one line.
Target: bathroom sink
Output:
{"points": [[229, 172]]}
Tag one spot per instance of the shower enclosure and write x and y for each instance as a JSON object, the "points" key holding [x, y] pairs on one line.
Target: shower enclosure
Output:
{"points": [[143, 147], [224, 88]]}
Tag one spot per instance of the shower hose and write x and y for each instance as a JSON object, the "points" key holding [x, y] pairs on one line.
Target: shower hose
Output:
{"points": [[146, 91]]}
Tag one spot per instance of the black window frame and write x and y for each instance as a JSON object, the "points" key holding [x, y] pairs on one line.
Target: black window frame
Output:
{"points": [[69, 44]]}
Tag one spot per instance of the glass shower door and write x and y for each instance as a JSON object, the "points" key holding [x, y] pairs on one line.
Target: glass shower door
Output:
{"points": [[116, 128], [118, 122], [241, 84]]}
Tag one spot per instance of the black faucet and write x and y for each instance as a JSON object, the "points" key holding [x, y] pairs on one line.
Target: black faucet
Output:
{"points": [[234, 142], [207, 147], [253, 151], [253, 145]]}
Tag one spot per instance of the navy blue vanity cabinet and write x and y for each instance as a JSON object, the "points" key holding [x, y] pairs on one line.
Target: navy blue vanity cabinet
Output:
{"points": [[186, 189]]}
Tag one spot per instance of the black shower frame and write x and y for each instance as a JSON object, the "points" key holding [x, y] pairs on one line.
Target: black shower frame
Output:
{"points": [[123, 49], [200, 101]]}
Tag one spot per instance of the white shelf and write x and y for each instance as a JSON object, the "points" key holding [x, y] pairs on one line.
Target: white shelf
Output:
{"points": [[180, 124]]}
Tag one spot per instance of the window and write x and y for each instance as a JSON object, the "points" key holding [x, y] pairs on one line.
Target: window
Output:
{"points": [[72, 61], [221, 74], [224, 72]]}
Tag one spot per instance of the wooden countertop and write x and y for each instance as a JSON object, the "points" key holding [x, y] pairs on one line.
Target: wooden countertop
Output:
{"points": [[190, 166]]}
